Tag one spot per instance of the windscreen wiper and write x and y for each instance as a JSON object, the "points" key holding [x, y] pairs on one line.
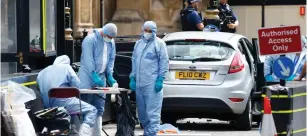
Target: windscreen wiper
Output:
{"points": [[205, 59]]}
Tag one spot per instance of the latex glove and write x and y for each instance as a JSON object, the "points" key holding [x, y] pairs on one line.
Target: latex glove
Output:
{"points": [[291, 78], [112, 81], [269, 78], [97, 80], [159, 84], [132, 84]]}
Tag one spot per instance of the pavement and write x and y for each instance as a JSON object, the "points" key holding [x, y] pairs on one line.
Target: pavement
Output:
{"points": [[201, 127]]}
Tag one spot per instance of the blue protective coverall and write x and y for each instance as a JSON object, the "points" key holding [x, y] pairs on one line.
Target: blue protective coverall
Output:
{"points": [[150, 63], [92, 60], [61, 74], [298, 61]]}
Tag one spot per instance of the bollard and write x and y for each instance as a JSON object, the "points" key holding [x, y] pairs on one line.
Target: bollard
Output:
{"points": [[69, 43]]}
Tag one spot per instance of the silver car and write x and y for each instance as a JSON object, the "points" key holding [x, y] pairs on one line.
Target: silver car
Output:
{"points": [[211, 75]]}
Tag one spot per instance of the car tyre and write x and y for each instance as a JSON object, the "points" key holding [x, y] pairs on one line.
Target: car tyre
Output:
{"points": [[168, 119], [245, 120]]}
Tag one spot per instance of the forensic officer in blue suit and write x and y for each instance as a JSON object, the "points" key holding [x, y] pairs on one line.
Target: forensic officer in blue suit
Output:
{"points": [[61, 74], [150, 64], [97, 63]]}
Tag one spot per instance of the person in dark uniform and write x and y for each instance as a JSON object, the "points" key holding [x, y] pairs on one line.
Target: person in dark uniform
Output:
{"points": [[229, 19], [190, 19]]}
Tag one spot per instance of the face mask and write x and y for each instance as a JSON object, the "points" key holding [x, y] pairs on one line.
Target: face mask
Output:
{"points": [[147, 35], [106, 39]]}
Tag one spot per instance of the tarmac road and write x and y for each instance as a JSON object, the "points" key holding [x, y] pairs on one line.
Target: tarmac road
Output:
{"points": [[198, 126]]}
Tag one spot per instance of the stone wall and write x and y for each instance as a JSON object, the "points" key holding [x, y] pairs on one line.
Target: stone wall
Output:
{"points": [[87, 15], [129, 15]]}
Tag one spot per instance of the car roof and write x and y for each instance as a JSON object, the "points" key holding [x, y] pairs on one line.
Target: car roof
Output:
{"points": [[229, 38]]}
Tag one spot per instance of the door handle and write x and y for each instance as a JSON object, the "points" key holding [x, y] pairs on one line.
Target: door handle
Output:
{"points": [[20, 56]]}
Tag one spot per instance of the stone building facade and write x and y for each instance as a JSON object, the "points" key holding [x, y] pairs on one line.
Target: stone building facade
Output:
{"points": [[129, 15]]}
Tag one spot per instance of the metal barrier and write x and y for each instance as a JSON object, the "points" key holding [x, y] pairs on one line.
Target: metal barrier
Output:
{"points": [[288, 108]]}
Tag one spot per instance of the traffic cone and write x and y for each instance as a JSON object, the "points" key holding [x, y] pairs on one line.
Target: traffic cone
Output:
{"points": [[267, 125]]}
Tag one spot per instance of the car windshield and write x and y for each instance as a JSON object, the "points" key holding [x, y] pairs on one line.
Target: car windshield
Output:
{"points": [[198, 50]]}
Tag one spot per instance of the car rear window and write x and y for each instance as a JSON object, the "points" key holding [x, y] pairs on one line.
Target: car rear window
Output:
{"points": [[191, 50]]}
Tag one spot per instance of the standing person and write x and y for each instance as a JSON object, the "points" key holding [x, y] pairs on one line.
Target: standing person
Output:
{"points": [[149, 66], [230, 24], [303, 73], [190, 19], [298, 59], [97, 63], [61, 74]]}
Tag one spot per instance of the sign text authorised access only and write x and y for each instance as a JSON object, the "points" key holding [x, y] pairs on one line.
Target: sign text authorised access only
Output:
{"points": [[279, 40]]}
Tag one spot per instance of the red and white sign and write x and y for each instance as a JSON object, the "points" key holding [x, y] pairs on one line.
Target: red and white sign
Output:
{"points": [[279, 40]]}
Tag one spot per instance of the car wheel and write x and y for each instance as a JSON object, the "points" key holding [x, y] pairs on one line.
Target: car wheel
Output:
{"points": [[258, 120], [245, 120]]}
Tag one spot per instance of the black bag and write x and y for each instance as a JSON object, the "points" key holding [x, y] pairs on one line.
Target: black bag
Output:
{"points": [[126, 119], [35, 106], [56, 118]]}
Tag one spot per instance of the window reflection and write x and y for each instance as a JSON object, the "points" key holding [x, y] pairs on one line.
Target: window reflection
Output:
{"points": [[8, 68], [8, 26], [35, 16], [50, 25]]}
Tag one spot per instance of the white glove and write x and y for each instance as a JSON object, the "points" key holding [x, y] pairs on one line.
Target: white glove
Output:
{"points": [[115, 85]]}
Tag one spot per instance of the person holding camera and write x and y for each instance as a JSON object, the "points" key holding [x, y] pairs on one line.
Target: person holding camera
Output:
{"points": [[229, 19]]}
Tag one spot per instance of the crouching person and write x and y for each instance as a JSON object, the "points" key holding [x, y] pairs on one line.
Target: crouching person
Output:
{"points": [[61, 74]]}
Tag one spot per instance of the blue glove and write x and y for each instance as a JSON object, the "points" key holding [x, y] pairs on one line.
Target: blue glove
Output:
{"points": [[132, 84], [97, 80], [291, 78], [159, 84], [269, 78], [111, 80]]}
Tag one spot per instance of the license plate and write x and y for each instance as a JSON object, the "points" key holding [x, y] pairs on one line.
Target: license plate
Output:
{"points": [[192, 75]]}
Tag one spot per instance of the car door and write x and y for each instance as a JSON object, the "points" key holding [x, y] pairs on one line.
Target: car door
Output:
{"points": [[122, 64], [245, 53], [253, 47], [122, 68], [250, 59]]}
